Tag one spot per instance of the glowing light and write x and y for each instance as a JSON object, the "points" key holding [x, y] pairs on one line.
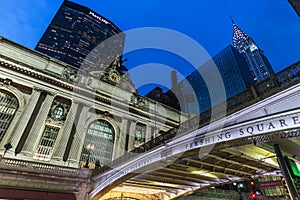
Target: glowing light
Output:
{"points": [[240, 185], [140, 190], [253, 195], [203, 173], [165, 184]]}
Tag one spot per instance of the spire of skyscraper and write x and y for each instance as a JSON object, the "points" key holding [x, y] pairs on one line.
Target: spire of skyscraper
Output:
{"points": [[239, 36], [258, 63], [232, 21]]}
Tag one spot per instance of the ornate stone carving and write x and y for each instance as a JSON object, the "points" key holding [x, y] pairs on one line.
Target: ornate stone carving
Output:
{"points": [[115, 74], [58, 111], [114, 71], [140, 102], [71, 75]]}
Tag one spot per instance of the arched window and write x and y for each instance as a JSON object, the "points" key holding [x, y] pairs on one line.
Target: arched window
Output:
{"points": [[100, 135], [8, 106]]}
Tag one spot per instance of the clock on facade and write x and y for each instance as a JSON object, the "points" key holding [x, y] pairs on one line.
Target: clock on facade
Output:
{"points": [[114, 76]]}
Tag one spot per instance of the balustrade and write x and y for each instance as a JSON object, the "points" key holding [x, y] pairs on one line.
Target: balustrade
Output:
{"points": [[15, 164]]}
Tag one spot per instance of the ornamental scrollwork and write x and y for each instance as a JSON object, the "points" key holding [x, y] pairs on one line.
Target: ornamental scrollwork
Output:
{"points": [[71, 75], [140, 102]]}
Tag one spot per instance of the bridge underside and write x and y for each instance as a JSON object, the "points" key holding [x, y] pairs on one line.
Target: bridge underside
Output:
{"points": [[273, 104], [227, 162]]}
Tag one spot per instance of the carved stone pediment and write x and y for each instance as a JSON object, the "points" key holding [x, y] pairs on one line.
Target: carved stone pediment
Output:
{"points": [[115, 74]]}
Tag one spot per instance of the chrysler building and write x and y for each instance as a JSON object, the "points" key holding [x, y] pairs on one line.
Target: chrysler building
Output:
{"points": [[258, 63]]}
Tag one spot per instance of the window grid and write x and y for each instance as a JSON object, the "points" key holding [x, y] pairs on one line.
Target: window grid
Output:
{"points": [[8, 106], [101, 134], [46, 144]]}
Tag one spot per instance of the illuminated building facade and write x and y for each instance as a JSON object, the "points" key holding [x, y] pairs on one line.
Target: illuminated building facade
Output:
{"points": [[75, 31], [51, 114], [258, 63]]}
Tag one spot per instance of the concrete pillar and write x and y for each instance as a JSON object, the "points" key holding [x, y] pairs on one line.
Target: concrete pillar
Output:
{"points": [[23, 120], [38, 126], [64, 133], [131, 136], [119, 147], [79, 137], [155, 131], [148, 133]]}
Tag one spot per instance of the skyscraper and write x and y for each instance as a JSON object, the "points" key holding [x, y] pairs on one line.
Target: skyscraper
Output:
{"points": [[75, 31], [258, 63], [296, 5], [195, 95]]}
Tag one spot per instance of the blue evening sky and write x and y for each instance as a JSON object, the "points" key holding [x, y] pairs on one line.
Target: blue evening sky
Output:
{"points": [[273, 24]]}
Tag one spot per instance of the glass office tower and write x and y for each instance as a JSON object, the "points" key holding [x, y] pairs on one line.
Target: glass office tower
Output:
{"points": [[74, 33], [258, 63], [193, 90]]}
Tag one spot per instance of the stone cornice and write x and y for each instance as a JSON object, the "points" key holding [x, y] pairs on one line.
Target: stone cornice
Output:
{"points": [[33, 65], [98, 96]]}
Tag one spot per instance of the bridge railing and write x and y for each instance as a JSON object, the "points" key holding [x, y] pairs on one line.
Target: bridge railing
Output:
{"points": [[29, 166], [276, 83]]}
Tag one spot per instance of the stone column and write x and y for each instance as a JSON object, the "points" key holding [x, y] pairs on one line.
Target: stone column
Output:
{"points": [[79, 137], [155, 131], [64, 133], [148, 133], [131, 136], [23, 120], [119, 147], [38, 126]]}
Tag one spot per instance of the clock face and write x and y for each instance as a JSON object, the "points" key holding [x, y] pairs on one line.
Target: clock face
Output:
{"points": [[114, 76]]}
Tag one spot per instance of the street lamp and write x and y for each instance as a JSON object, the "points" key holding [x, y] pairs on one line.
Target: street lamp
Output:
{"points": [[89, 148], [7, 147]]}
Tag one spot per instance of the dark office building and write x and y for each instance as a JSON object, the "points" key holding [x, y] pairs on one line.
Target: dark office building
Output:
{"points": [[168, 98], [195, 95], [296, 5], [74, 33]]}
